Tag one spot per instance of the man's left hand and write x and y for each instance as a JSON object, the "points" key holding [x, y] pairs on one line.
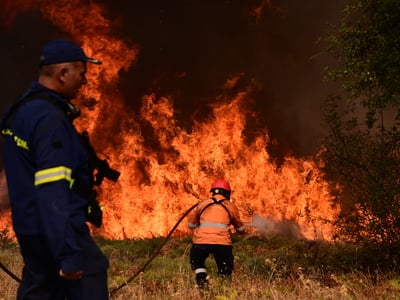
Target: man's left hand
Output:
{"points": [[71, 275]]}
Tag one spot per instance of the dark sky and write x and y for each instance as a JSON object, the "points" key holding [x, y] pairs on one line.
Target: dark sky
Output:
{"points": [[208, 41]]}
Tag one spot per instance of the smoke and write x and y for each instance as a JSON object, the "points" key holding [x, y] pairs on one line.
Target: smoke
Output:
{"points": [[189, 51], [270, 228]]}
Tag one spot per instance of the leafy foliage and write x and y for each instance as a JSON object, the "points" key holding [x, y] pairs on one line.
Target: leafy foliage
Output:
{"points": [[367, 44], [362, 147]]}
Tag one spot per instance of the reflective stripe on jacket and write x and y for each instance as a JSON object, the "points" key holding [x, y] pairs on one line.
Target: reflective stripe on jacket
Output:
{"points": [[211, 221]]}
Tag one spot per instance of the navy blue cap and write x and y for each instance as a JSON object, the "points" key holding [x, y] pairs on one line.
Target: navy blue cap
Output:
{"points": [[60, 51]]}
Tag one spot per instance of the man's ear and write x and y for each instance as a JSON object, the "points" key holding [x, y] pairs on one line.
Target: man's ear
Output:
{"points": [[62, 73]]}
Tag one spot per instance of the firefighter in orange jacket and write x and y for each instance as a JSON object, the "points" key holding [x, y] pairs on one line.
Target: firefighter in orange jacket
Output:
{"points": [[211, 222]]}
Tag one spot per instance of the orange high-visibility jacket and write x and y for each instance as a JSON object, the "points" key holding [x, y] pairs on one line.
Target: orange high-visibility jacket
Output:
{"points": [[211, 221]]}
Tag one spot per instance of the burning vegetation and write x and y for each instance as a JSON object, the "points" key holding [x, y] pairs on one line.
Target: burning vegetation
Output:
{"points": [[165, 168]]}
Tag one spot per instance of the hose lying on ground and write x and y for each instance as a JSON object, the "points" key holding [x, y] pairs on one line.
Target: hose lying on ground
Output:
{"points": [[11, 274], [113, 291]]}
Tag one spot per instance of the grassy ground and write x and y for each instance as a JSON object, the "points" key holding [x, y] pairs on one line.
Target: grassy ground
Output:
{"points": [[275, 268]]}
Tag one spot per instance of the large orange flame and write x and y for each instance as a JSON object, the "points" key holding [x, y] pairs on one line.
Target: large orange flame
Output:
{"points": [[159, 183]]}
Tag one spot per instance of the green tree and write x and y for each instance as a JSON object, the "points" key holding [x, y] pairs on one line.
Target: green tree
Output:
{"points": [[362, 147]]}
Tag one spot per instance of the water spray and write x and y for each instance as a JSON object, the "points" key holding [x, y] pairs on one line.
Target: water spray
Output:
{"points": [[269, 227]]}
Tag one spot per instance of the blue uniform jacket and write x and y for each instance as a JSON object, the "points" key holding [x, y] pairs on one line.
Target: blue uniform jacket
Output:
{"points": [[43, 157]]}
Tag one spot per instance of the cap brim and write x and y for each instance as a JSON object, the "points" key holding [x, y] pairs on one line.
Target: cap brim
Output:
{"points": [[93, 61]]}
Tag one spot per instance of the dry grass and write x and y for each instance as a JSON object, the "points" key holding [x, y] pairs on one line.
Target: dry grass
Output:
{"points": [[356, 286], [264, 269]]}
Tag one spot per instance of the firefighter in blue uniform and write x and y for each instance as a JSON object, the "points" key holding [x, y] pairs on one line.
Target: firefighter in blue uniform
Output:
{"points": [[50, 181]]}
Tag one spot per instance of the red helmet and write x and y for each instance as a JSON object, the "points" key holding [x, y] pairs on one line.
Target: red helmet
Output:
{"points": [[221, 184]]}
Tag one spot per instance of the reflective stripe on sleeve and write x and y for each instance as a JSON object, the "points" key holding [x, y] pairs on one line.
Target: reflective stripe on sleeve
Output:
{"points": [[212, 224], [192, 226], [53, 174], [241, 228]]}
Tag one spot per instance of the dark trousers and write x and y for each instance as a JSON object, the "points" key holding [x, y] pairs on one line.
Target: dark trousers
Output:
{"points": [[223, 257], [40, 275]]}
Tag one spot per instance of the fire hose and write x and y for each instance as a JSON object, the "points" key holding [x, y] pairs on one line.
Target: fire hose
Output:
{"points": [[11, 274], [116, 289], [113, 291]]}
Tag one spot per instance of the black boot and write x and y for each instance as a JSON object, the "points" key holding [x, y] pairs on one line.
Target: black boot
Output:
{"points": [[201, 279]]}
